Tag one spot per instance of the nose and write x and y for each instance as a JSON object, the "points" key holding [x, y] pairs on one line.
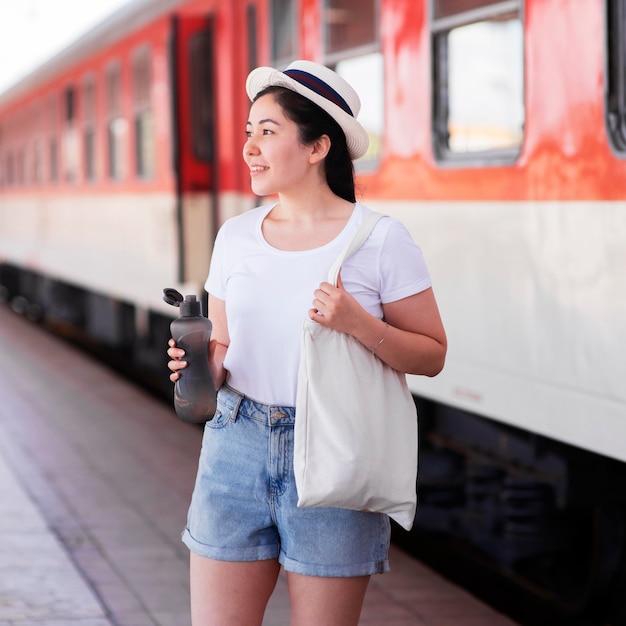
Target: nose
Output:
{"points": [[250, 146]]}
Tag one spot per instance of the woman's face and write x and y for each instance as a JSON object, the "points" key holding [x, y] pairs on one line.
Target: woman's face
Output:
{"points": [[278, 161]]}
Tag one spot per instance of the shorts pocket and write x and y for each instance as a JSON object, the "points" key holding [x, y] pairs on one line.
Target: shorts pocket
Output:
{"points": [[223, 415]]}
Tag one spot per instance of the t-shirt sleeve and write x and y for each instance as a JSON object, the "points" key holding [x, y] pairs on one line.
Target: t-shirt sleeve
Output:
{"points": [[216, 281], [402, 266]]}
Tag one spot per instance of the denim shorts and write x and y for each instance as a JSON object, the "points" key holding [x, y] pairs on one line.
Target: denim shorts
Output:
{"points": [[243, 506]]}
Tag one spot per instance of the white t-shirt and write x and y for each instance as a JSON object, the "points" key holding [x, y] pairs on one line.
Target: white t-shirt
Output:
{"points": [[268, 293]]}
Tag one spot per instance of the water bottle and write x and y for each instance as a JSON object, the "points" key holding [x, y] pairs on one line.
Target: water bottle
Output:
{"points": [[195, 397]]}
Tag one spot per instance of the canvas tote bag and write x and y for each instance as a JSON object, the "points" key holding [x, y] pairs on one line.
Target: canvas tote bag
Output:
{"points": [[355, 434]]}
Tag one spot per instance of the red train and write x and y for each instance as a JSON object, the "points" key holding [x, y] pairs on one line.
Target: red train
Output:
{"points": [[498, 135]]}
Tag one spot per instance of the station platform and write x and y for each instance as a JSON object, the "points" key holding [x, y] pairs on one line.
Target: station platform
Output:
{"points": [[95, 480]]}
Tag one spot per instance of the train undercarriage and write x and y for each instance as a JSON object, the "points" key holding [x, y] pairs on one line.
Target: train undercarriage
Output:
{"points": [[547, 517]]}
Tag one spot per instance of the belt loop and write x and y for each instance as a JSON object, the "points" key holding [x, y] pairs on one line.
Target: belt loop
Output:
{"points": [[237, 404]]}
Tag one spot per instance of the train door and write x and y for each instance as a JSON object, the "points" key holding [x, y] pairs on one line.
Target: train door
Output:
{"points": [[194, 154]]}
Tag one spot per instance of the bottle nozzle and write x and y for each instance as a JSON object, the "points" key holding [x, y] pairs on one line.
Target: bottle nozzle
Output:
{"points": [[190, 306]]}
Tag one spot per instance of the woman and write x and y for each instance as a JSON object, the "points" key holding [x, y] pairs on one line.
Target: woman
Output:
{"points": [[267, 272]]}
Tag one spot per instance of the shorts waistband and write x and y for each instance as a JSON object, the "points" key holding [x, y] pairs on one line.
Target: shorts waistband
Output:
{"points": [[267, 413]]}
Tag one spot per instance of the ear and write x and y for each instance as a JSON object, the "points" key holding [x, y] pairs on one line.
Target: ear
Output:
{"points": [[319, 149]]}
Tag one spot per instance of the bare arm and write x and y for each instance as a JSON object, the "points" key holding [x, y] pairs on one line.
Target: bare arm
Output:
{"points": [[414, 342], [217, 347], [220, 340]]}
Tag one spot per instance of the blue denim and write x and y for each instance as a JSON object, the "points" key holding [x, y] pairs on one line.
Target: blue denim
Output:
{"points": [[243, 506]]}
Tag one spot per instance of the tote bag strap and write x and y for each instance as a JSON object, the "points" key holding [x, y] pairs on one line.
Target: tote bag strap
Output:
{"points": [[353, 245]]}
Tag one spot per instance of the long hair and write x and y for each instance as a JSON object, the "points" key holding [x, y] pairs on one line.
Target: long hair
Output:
{"points": [[313, 122]]}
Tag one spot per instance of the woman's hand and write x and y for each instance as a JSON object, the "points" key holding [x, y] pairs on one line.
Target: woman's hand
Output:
{"points": [[217, 346], [410, 337], [337, 308], [176, 363]]}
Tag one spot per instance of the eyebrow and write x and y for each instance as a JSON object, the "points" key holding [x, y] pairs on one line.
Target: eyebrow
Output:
{"points": [[263, 121]]}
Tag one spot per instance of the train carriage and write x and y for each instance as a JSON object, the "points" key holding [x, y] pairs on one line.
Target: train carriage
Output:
{"points": [[498, 136]]}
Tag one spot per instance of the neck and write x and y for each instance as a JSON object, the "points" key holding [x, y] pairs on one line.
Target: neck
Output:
{"points": [[311, 207]]}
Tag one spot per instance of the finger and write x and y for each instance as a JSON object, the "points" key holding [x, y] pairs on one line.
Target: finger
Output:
{"points": [[326, 288], [175, 353], [176, 365], [171, 343], [320, 299], [316, 315], [174, 376]]}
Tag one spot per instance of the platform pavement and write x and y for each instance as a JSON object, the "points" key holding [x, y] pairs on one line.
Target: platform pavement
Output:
{"points": [[39, 585], [95, 478]]}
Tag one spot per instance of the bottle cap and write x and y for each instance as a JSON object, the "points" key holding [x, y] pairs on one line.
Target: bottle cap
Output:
{"points": [[172, 296]]}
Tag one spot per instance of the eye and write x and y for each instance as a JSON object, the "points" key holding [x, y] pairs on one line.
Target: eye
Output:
{"points": [[267, 131], [248, 133]]}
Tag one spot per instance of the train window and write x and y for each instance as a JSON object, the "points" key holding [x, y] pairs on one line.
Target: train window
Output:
{"points": [[8, 142], [365, 74], [53, 150], [71, 153], [143, 116], [10, 170], [116, 124], [450, 8], [201, 69], [70, 105], [54, 160], [616, 74], [89, 128], [353, 51], [284, 32], [38, 161], [478, 95], [251, 39], [19, 169], [37, 152], [349, 25]]}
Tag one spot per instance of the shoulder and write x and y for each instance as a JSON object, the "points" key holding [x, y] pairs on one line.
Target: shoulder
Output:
{"points": [[388, 231]]}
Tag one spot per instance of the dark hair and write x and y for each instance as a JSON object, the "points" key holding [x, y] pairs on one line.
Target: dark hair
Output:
{"points": [[313, 122]]}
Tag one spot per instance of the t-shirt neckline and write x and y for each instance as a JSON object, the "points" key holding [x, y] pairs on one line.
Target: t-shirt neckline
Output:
{"points": [[340, 235]]}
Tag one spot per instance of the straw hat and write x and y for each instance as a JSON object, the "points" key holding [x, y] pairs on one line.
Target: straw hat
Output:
{"points": [[323, 87]]}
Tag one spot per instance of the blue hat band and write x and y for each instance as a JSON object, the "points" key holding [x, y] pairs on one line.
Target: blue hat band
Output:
{"points": [[319, 87]]}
